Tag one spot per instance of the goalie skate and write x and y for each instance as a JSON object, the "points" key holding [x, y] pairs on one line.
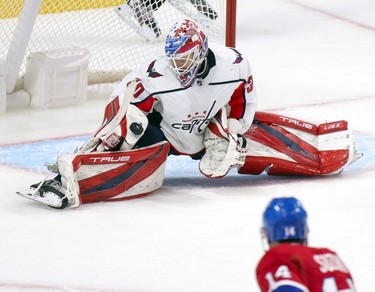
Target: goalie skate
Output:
{"points": [[201, 13], [204, 8], [49, 192], [140, 19]]}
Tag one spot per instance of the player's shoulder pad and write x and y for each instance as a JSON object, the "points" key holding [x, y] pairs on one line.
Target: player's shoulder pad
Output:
{"points": [[151, 64], [157, 76], [231, 58]]}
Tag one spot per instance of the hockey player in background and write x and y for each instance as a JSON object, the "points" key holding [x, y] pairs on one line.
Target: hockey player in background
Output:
{"points": [[198, 100], [290, 264], [139, 14], [142, 11]]}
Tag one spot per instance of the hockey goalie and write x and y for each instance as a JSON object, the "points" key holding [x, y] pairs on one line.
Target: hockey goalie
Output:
{"points": [[195, 100], [108, 167]]}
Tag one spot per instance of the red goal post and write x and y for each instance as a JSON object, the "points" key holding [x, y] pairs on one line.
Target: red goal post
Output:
{"points": [[114, 47]]}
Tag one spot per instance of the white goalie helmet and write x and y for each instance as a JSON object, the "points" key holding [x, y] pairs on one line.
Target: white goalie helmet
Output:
{"points": [[186, 47]]}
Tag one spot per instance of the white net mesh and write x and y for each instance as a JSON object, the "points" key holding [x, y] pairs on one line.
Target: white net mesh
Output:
{"points": [[118, 35]]}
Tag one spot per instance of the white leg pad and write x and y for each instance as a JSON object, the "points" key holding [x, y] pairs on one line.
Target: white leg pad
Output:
{"points": [[69, 179]]}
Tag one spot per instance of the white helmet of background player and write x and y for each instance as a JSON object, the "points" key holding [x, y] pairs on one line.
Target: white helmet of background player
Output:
{"points": [[186, 47]]}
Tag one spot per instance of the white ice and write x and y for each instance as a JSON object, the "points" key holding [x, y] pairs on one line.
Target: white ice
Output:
{"points": [[313, 60]]}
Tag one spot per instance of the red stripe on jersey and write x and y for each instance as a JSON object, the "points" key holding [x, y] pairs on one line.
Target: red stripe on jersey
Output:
{"points": [[237, 102], [147, 104]]}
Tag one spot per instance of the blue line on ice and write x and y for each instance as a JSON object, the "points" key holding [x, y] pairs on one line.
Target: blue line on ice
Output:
{"points": [[33, 155]]}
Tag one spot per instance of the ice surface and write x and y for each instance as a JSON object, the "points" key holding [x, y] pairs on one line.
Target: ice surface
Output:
{"points": [[312, 60]]}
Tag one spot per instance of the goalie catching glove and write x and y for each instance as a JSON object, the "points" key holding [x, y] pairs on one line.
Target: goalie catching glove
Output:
{"points": [[225, 148], [123, 123], [125, 135]]}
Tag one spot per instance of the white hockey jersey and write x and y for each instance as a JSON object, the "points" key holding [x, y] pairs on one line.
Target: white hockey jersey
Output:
{"points": [[186, 112]]}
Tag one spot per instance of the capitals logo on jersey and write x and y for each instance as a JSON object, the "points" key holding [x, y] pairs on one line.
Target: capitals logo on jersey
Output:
{"points": [[195, 122], [151, 70], [238, 57]]}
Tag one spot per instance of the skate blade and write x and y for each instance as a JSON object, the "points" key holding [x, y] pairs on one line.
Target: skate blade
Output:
{"points": [[54, 202]]}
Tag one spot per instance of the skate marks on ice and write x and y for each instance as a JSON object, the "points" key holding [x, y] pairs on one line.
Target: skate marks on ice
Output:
{"points": [[326, 12]]}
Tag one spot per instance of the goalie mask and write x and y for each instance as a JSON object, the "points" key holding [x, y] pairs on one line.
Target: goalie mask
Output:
{"points": [[186, 47], [285, 219]]}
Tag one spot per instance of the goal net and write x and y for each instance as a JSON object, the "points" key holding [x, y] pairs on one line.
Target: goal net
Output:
{"points": [[117, 34]]}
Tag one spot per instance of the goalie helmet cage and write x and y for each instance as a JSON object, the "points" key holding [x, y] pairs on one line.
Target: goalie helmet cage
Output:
{"points": [[115, 47]]}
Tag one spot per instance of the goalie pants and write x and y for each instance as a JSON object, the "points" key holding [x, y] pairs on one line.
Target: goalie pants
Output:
{"points": [[154, 134]]}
